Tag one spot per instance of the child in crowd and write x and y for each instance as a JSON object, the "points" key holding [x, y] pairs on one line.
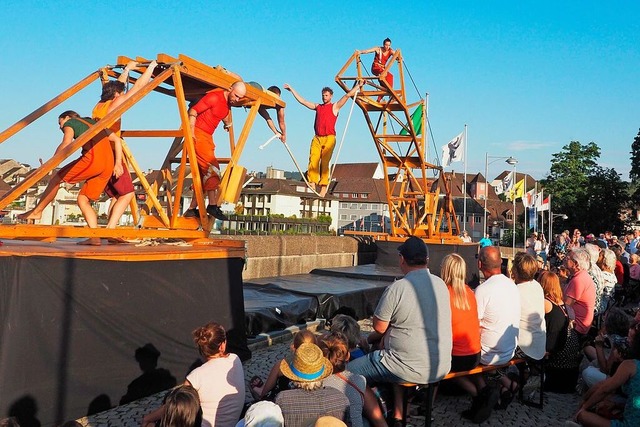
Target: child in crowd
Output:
{"points": [[261, 390]]}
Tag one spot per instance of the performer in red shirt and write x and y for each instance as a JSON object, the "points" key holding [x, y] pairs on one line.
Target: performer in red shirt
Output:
{"points": [[324, 141]]}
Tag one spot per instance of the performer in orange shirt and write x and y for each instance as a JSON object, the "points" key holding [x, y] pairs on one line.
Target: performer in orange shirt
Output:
{"points": [[120, 187]]}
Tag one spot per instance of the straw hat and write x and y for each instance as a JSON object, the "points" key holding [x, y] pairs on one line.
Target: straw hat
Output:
{"points": [[307, 365]]}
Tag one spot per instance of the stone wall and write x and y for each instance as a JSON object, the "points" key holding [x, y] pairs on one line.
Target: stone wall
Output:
{"points": [[269, 256]]}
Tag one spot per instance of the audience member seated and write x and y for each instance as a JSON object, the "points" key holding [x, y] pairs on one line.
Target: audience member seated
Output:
{"points": [[562, 343], [465, 326], [498, 303], [348, 326], [613, 336], [533, 331], [309, 399], [276, 381], [219, 381], [600, 402], [604, 294], [634, 267], [182, 408], [580, 294], [352, 385], [413, 320], [262, 414]]}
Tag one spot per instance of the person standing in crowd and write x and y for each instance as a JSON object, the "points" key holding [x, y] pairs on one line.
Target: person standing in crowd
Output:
{"points": [[580, 294]]}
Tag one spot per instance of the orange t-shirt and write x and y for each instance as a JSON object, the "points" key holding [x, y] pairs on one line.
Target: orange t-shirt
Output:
{"points": [[465, 326]]}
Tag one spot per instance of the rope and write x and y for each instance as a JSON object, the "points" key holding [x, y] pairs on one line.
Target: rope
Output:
{"points": [[300, 170], [343, 135], [412, 81]]}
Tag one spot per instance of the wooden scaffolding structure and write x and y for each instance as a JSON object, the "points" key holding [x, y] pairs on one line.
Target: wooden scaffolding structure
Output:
{"points": [[186, 80], [416, 207]]}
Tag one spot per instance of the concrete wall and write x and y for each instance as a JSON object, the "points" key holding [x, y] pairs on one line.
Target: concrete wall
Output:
{"points": [[269, 256]]}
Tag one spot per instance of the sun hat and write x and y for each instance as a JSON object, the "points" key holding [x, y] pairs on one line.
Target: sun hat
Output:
{"points": [[308, 364], [262, 414]]}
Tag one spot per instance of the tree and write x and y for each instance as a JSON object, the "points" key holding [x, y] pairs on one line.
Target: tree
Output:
{"points": [[590, 195], [634, 173]]}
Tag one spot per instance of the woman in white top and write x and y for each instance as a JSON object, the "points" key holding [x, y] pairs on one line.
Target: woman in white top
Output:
{"points": [[219, 381]]}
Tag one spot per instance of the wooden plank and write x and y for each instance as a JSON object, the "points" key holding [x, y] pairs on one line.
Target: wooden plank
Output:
{"points": [[53, 103], [152, 133]]}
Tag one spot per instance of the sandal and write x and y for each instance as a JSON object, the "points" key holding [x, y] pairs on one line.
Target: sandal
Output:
{"points": [[254, 383]]}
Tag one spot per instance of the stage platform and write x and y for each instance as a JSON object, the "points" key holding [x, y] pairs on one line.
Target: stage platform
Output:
{"points": [[275, 303], [73, 316]]}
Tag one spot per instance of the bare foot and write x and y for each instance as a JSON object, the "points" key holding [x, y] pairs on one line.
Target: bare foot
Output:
{"points": [[30, 215], [116, 240], [323, 190], [91, 241], [312, 185]]}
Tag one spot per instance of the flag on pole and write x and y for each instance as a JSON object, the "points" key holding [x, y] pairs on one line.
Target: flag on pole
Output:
{"points": [[416, 120], [539, 198], [544, 205], [453, 151], [528, 200], [507, 183], [517, 191]]}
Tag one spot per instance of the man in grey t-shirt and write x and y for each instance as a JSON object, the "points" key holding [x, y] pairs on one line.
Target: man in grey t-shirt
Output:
{"points": [[413, 321]]}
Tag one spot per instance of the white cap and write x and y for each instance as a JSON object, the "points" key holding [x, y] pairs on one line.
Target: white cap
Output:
{"points": [[262, 414]]}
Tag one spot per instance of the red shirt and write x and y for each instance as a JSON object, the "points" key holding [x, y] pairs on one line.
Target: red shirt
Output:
{"points": [[325, 120], [212, 108], [465, 326], [619, 272]]}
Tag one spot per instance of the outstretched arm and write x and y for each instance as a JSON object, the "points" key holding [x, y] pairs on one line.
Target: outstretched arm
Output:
{"points": [[301, 100], [375, 49], [265, 115], [124, 76], [338, 105], [139, 84]]}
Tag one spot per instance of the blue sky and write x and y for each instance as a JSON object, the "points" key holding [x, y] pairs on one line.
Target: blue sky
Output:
{"points": [[526, 77]]}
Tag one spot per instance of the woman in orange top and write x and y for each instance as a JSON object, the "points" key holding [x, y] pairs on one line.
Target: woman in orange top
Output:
{"points": [[465, 325]]}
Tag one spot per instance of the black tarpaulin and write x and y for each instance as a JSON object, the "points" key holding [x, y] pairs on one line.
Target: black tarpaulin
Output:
{"points": [[69, 328]]}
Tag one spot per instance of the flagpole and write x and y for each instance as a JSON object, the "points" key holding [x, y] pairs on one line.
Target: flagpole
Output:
{"points": [[526, 230], [515, 177], [486, 191], [464, 183], [550, 219]]}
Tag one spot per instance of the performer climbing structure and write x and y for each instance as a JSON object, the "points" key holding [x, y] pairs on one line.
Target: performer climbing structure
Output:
{"points": [[186, 80], [415, 203]]}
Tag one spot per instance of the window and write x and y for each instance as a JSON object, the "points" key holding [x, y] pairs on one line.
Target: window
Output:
{"points": [[345, 195], [344, 205], [354, 195], [374, 206], [354, 217], [364, 206], [343, 217], [364, 196], [353, 206]]}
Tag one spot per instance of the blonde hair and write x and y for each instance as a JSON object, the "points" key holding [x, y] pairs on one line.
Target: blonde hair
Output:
{"points": [[302, 337], [453, 271]]}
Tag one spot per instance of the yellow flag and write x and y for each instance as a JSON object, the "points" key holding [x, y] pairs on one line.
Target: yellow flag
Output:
{"points": [[517, 192]]}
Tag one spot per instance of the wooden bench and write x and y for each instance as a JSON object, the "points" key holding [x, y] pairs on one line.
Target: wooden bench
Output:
{"points": [[480, 369]]}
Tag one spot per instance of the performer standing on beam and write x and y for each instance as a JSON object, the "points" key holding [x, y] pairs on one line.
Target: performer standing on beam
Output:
{"points": [[119, 188], [204, 118], [324, 141], [95, 167]]}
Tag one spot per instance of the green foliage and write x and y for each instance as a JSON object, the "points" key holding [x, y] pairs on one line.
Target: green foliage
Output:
{"points": [[634, 173], [590, 195], [507, 237]]}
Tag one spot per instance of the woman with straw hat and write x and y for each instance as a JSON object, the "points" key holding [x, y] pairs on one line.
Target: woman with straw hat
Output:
{"points": [[310, 399]]}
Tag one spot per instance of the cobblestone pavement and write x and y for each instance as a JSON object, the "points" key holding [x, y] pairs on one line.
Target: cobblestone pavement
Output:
{"points": [[446, 411]]}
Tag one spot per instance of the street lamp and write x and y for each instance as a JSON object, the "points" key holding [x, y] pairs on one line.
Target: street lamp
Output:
{"points": [[551, 217], [509, 160]]}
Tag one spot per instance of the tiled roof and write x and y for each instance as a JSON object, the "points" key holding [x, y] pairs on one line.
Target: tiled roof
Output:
{"points": [[354, 170]]}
